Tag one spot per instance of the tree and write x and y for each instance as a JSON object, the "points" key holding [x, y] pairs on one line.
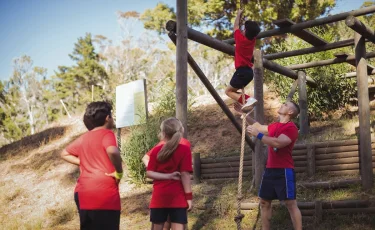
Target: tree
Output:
{"points": [[217, 16], [74, 84], [25, 80]]}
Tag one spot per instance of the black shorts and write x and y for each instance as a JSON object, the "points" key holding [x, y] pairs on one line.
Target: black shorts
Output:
{"points": [[242, 77], [176, 215], [98, 219], [278, 183]]}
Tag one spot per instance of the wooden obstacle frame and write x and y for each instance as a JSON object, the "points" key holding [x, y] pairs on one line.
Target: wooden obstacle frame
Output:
{"points": [[179, 32]]}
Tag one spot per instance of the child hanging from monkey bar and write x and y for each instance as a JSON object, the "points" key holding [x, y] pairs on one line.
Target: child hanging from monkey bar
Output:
{"points": [[245, 40]]}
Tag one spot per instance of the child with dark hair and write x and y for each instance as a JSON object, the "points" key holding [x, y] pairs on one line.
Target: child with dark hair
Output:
{"points": [[245, 43], [98, 157], [170, 166]]}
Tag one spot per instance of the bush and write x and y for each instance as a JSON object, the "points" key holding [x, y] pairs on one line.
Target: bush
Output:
{"points": [[144, 137]]}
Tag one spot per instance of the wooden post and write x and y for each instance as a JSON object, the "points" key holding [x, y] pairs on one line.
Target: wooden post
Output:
{"points": [[119, 139], [181, 63], [363, 113], [310, 160], [197, 168], [258, 153], [318, 212], [302, 101]]}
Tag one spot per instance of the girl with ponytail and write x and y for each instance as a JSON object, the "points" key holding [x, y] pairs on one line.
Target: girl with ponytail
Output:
{"points": [[170, 165]]}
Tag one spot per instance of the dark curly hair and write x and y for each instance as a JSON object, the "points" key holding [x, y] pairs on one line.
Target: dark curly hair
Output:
{"points": [[96, 113], [252, 29]]}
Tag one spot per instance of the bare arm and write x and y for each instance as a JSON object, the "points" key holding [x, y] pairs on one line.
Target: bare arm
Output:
{"points": [[186, 181], [275, 142], [115, 157], [163, 176], [66, 156], [146, 159], [237, 20]]}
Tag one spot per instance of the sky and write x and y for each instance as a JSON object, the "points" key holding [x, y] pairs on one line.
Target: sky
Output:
{"points": [[46, 30]]}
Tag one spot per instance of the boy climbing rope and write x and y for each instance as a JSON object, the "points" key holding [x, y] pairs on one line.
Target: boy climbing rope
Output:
{"points": [[245, 43]]}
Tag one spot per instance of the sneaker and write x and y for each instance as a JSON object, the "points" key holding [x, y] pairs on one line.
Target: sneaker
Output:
{"points": [[250, 103]]}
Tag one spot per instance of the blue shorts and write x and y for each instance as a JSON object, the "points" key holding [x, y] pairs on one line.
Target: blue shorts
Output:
{"points": [[278, 183]]}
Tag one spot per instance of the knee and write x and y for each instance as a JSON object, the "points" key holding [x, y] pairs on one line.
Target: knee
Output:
{"points": [[291, 205], [227, 90], [265, 204]]}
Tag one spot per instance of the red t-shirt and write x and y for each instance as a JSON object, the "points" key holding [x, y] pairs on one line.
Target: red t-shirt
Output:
{"points": [[282, 158], [244, 50], [183, 141], [170, 193], [96, 191]]}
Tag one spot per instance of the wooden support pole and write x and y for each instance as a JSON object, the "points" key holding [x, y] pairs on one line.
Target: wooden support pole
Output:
{"points": [[318, 212], [327, 62], [312, 23], [181, 63], [197, 168], [119, 138], [360, 28], [364, 114], [292, 91], [302, 101], [258, 154], [310, 160], [213, 92]]}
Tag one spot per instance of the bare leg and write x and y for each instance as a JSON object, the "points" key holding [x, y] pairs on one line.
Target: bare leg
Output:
{"points": [[157, 226], [176, 226], [295, 214], [266, 213], [167, 224], [232, 93]]}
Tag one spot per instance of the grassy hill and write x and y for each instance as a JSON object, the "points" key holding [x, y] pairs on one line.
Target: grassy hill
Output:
{"points": [[36, 186]]}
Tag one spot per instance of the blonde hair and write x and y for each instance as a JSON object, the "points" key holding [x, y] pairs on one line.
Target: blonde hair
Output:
{"points": [[171, 131]]}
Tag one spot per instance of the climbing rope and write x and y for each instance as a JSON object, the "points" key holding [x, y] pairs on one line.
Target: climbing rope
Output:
{"points": [[240, 216]]}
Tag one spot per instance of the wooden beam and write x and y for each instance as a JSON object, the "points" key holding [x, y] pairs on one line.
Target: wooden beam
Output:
{"points": [[292, 90], [326, 62], [302, 101], [305, 35], [292, 53], [360, 28], [213, 92], [370, 68], [181, 64], [312, 23], [285, 71], [363, 114], [203, 39], [258, 154]]}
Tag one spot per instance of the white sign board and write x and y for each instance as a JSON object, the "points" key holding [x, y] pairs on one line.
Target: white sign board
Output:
{"points": [[130, 104]]}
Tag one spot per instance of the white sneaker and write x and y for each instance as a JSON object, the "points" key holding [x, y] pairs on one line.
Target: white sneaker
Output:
{"points": [[249, 105]]}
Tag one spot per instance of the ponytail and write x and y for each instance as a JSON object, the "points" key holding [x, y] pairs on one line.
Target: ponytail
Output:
{"points": [[172, 132]]}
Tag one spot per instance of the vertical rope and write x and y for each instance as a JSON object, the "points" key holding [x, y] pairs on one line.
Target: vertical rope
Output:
{"points": [[242, 19], [239, 216]]}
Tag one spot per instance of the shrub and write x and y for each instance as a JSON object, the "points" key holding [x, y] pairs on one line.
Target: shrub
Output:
{"points": [[144, 137]]}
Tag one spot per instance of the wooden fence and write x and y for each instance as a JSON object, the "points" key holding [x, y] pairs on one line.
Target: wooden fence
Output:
{"points": [[319, 208], [333, 157]]}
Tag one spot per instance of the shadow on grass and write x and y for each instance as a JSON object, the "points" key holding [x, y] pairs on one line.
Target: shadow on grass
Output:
{"points": [[31, 142]]}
